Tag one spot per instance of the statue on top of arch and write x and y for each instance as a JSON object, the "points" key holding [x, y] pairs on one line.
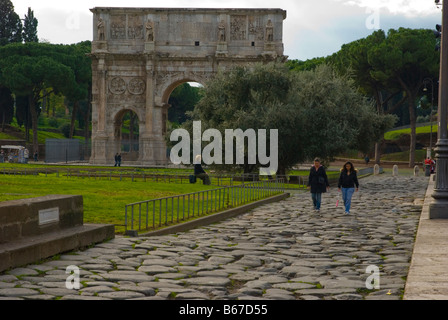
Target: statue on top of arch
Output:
{"points": [[269, 31], [149, 31], [222, 32]]}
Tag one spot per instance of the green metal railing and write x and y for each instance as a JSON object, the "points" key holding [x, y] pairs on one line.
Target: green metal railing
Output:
{"points": [[155, 213]]}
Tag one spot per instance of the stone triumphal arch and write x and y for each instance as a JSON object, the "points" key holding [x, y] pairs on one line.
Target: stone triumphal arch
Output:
{"points": [[140, 55]]}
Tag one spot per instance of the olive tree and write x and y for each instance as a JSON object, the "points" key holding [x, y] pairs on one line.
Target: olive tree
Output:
{"points": [[317, 113]]}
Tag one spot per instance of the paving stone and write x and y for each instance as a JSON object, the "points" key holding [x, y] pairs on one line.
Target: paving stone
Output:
{"points": [[97, 289], [208, 281], [17, 292], [278, 294], [170, 276], [4, 285], [8, 278], [147, 291], [23, 272], [293, 286], [103, 266], [192, 296], [40, 297], [244, 276], [41, 268], [121, 295], [80, 297], [258, 284], [347, 297], [154, 269], [59, 292], [213, 273], [159, 262], [126, 277]]}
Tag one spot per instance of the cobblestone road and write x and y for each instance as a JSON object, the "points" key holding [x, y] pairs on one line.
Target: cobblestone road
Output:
{"points": [[280, 251]]}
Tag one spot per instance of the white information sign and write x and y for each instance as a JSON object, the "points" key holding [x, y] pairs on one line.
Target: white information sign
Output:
{"points": [[47, 216]]}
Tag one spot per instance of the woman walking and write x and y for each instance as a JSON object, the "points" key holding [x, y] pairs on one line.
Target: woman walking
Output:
{"points": [[347, 182], [318, 183]]}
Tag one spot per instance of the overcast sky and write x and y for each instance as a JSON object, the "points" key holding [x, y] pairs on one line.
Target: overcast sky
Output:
{"points": [[311, 29]]}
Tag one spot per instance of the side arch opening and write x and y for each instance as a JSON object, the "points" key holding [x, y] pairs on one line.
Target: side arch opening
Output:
{"points": [[127, 135]]}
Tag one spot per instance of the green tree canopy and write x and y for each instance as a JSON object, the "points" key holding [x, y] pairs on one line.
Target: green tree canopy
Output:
{"points": [[6, 107], [390, 69], [307, 65], [317, 112], [182, 99], [402, 61], [10, 24], [30, 27], [28, 69]]}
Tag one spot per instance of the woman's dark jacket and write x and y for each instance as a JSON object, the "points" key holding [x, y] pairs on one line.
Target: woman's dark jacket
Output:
{"points": [[348, 180], [318, 180]]}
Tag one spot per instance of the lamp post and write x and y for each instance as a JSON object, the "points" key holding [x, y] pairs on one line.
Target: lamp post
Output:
{"points": [[438, 209], [425, 81]]}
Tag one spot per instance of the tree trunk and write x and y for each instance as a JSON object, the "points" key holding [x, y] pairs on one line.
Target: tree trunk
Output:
{"points": [[3, 121], [413, 122], [48, 105], [411, 93], [379, 109], [281, 171], [34, 124], [377, 153], [72, 123]]}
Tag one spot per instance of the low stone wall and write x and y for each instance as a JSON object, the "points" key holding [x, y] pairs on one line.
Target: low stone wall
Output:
{"points": [[38, 228], [37, 216]]}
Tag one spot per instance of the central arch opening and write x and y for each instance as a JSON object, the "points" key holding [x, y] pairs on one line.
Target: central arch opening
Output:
{"points": [[182, 99]]}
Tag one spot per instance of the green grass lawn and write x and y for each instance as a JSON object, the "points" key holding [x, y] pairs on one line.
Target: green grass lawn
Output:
{"points": [[420, 156], [42, 135], [104, 200], [106, 197], [5, 136], [395, 134]]}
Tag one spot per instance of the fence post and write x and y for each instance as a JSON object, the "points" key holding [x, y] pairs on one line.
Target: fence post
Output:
{"points": [[125, 218], [178, 200], [183, 207], [172, 210], [147, 215], [132, 217], [139, 216], [166, 211], [188, 213], [153, 214], [160, 213]]}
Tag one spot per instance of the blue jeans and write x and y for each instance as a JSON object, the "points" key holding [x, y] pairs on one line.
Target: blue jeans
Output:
{"points": [[317, 199], [347, 194]]}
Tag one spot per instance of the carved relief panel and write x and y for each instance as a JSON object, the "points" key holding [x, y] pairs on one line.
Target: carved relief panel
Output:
{"points": [[137, 86], [118, 27], [256, 28], [238, 28], [125, 90], [135, 27], [117, 86]]}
